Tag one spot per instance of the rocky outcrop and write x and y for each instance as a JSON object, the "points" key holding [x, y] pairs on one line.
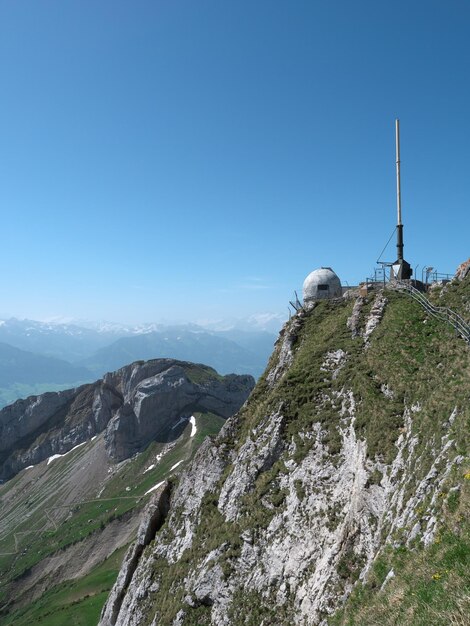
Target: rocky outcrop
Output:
{"points": [[26, 417], [258, 454], [375, 315], [353, 322], [206, 470], [34, 429], [462, 270], [152, 519], [155, 395], [285, 346], [135, 405]]}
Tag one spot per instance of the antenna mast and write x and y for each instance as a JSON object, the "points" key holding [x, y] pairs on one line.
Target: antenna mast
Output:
{"points": [[402, 269], [399, 222]]}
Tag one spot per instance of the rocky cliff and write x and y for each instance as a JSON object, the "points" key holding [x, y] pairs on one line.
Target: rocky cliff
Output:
{"points": [[135, 405], [347, 464]]}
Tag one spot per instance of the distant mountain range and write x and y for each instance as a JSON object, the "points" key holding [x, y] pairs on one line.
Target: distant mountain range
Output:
{"points": [[24, 373], [64, 341], [20, 366], [36, 357], [228, 352]]}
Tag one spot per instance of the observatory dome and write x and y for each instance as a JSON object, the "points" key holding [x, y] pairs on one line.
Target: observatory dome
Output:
{"points": [[322, 284]]}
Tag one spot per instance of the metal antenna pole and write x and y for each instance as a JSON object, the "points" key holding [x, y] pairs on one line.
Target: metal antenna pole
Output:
{"points": [[397, 135], [399, 222]]}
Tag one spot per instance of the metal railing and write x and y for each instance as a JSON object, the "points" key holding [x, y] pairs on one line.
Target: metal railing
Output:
{"points": [[444, 314]]}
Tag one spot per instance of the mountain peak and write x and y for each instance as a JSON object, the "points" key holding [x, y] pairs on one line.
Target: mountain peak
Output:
{"points": [[135, 405]]}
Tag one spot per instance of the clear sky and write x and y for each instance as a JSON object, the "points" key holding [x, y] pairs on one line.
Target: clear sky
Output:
{"points": [[196, 159]]}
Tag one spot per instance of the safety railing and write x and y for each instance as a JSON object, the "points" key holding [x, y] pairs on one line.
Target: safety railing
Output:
{"points": [[445, 314]]}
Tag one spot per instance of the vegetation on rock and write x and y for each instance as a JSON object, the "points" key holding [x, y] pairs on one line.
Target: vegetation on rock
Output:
{"points": [[348, 461]]}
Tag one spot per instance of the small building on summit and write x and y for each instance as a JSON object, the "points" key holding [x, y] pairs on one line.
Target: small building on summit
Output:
{"points": [[322, 284]]}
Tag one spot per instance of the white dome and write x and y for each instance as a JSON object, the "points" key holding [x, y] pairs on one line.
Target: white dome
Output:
{"points": [[322, 284]]}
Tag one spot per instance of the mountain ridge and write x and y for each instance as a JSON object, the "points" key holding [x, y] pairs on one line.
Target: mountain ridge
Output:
{"points": [[22, 366], [134, 405], [216, 350], [87, 354], [333, 470]]}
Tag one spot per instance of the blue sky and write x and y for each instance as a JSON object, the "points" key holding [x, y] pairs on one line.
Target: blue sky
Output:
{"points": [[186, 160]]}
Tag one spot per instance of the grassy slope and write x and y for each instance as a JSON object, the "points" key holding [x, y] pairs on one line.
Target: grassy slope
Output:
{"points": [[455, 295], [421, 360], [431, 586], [36, 537], [77, 602], [61, 605]]}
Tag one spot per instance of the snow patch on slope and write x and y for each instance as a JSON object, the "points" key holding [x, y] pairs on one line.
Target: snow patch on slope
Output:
{"points": [[58, 456], [154, 488]]}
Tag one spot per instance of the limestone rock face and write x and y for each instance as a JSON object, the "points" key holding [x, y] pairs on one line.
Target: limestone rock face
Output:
{"points": [[206, 469], [152, 519], [287, 338], [135, 405], [155, 398], [24, 417], [31, 430]]}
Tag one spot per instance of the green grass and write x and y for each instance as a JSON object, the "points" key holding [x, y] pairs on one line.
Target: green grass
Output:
{"points": [[34, 542], [73, 602], [208, 425], [86, 518], [201, 374], [252, 609], [455, 295]]}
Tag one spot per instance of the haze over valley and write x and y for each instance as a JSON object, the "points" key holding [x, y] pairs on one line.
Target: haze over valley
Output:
{"points": [[36, 357]]}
